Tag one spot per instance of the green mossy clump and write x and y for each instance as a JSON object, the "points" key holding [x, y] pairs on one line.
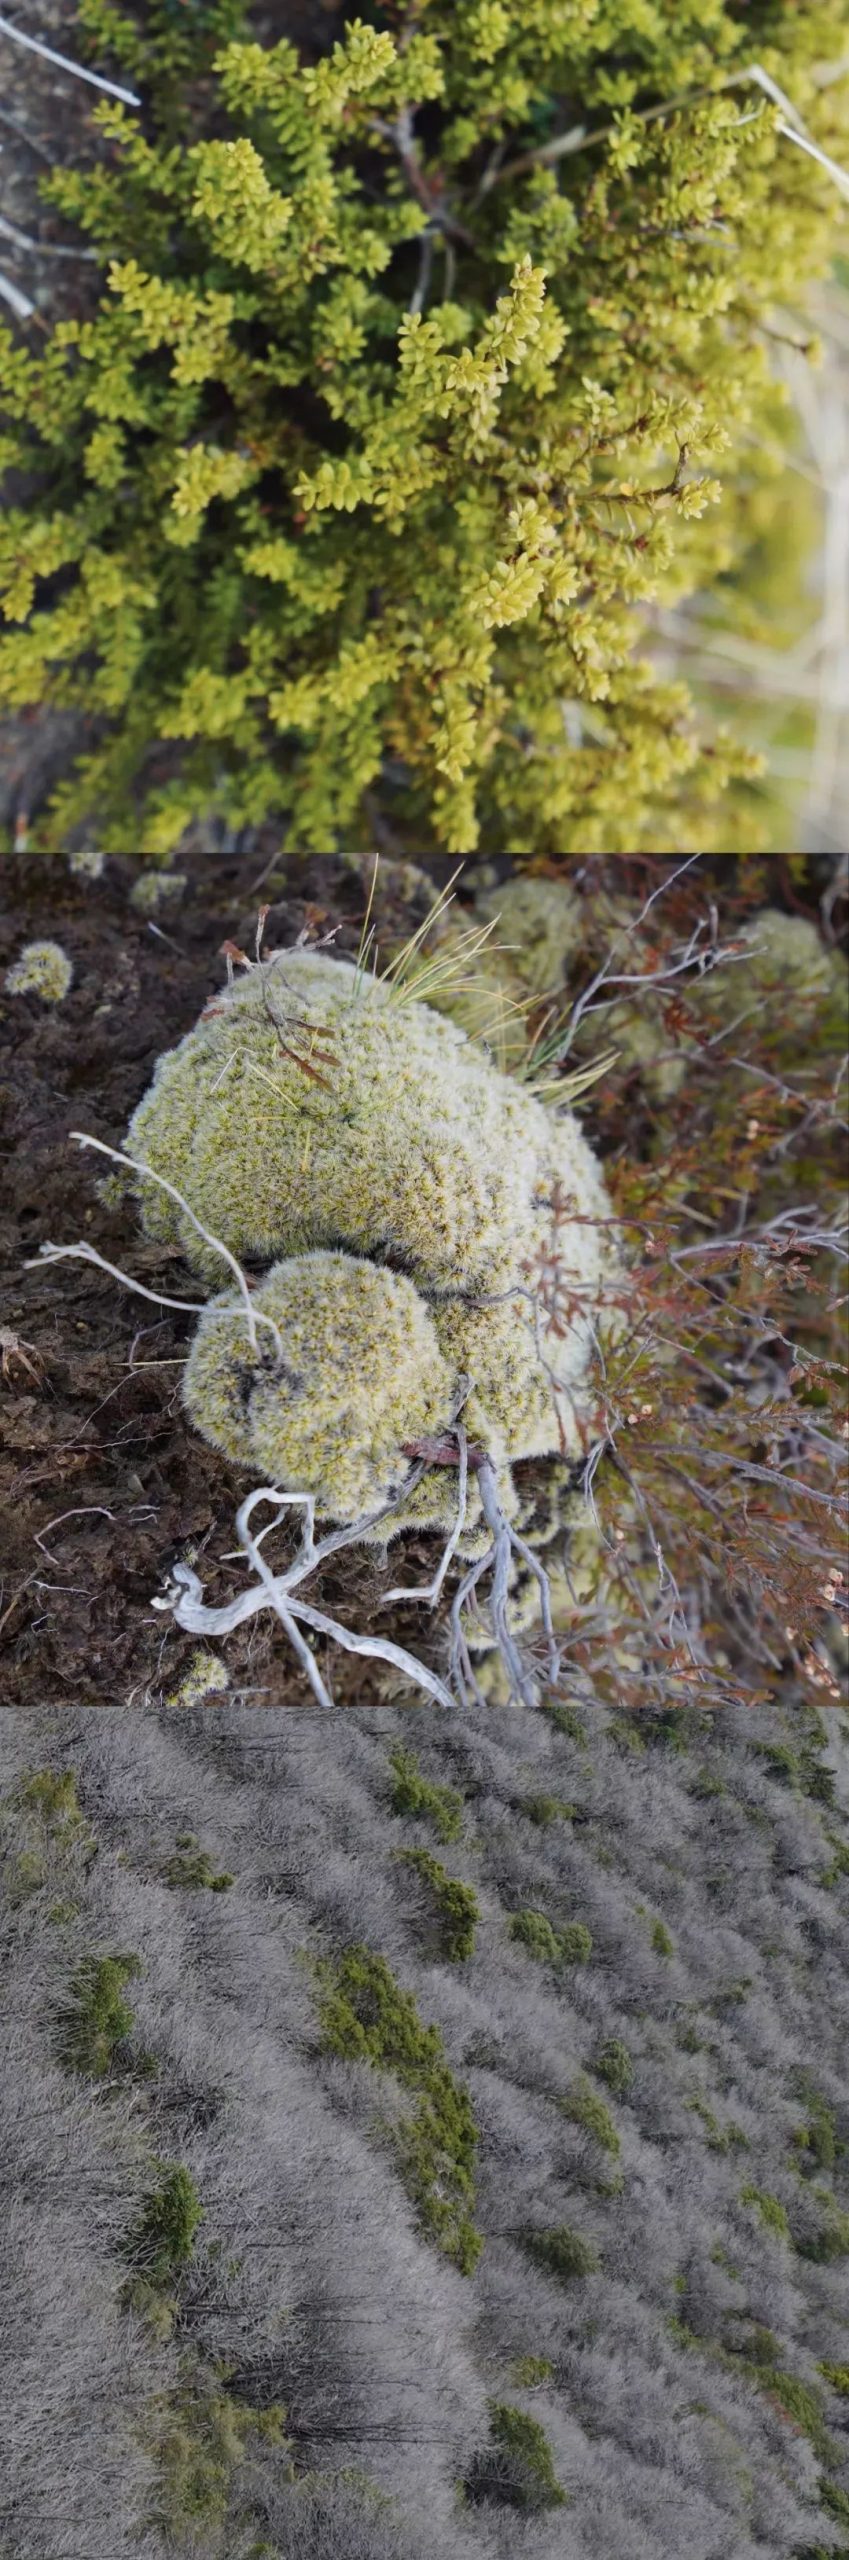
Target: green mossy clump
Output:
{"points": [[838, 2376], [613, 2064], [394, 1187], [517, 2468], [816, 2141], [41, 969], [769, 2211], [529, 2371], [571, 1944], [562, 2252], [200, 2436], [367, 2017], [404, 440], [418, 1797], [587, 2109], [455, 1903], [97, 2019], [543, 1810]]}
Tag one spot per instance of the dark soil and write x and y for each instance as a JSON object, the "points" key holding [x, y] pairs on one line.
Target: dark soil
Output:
{"points": [[103, 1482]]}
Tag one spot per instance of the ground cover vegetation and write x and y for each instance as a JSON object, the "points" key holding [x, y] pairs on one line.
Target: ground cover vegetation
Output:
{"points": [[410, 374], [441, 2109]]}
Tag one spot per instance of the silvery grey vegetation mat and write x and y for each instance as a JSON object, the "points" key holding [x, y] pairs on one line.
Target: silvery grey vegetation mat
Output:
{"points": [[673, 2105]]}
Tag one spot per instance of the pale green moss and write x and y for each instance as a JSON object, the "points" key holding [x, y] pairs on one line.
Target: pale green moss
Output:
{"points": [[362, 1373], [155, 889], [311, 1107], [205, 1675], [41, 969], [326, 1123], [86, 862]]}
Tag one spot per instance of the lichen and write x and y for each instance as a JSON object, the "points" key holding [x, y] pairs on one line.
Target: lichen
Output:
{"points": [[41, 969]]}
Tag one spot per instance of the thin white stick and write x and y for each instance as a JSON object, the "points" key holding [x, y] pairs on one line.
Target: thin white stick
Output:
{"points": [[18, 302], [40, 248], [33, 45], [252, 1314], [432, 1590], [88, 1253], [832, 167]]}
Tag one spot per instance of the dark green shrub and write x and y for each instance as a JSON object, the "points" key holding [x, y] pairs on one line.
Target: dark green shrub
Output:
{"points": [[543, 1810], [192, 1869], [562, 2251], [97, 2019], [367, 2017], [456, 1904], [516, 2469]]}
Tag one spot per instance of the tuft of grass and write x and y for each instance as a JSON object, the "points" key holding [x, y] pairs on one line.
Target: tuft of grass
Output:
{"points": [[367, 2017], [97, 2019], [162, 2240], [414, 1795]]}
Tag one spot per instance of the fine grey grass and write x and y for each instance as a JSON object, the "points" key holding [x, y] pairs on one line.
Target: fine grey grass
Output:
{"points": [[659, 2178]]}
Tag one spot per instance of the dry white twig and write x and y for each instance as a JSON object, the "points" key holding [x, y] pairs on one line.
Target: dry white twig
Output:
{"points": [[253, 1315], [40, 248], [60, 60], [184, 1598], [18, 302]]}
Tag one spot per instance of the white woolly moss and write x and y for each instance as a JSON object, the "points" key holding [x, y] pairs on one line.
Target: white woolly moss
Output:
{"points": [[399, 1188], [86, 862], [42, 969]]}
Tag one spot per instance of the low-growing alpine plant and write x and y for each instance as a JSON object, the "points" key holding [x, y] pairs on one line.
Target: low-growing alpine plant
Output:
{"points": [[406, 380]]}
